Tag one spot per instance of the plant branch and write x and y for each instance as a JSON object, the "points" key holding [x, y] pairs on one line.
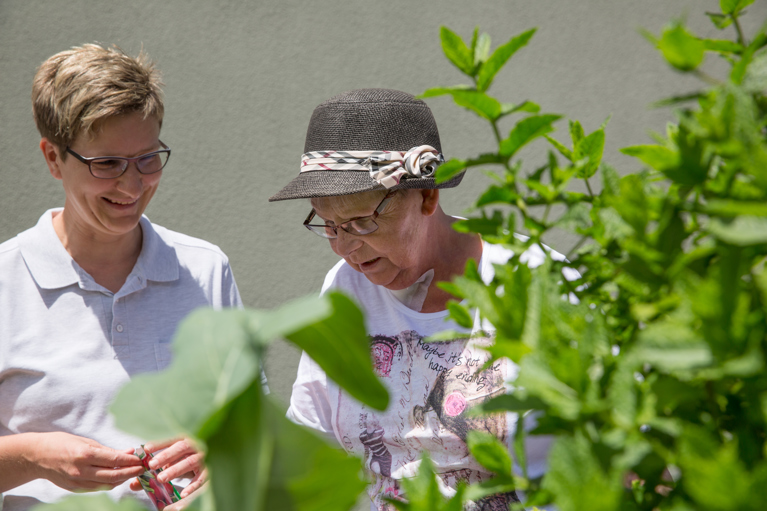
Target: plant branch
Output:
{"points": [[739, 30], [588, 187], [576, 247]]}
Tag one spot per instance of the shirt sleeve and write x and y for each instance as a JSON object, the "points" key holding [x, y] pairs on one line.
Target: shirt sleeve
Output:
{"points": [[309, 401]]}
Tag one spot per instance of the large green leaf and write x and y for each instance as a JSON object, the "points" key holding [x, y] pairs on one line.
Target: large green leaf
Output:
{"points": [[214, 361], [456, 51], [259, 460], [742, 231], [99, 502], [681, 48], [734, 6], [656, 156], [340, 345], [499, 58], [525, 131]]}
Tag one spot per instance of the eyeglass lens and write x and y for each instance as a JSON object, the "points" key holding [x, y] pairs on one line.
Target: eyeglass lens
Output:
{"points": [[112, 167]]}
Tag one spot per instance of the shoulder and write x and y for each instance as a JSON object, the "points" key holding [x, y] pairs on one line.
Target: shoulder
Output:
{"points": [[189, 247], [9, 252], [342, 276]]}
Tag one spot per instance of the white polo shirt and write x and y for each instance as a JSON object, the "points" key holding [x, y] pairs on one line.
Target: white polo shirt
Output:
{"points": [[67, 344]]}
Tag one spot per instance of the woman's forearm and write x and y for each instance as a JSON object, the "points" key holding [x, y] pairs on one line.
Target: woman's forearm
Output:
{"points": [[16, 453]]}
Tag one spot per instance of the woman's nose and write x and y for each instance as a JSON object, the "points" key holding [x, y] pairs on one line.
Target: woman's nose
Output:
{"points": [[346, 243]]}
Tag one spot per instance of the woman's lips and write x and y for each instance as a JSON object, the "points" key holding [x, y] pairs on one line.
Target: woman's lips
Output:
{"points": [[368, 265], [123, 204]]}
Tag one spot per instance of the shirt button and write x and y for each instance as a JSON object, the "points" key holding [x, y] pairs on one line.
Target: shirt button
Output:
{"points": [[119, 328]]}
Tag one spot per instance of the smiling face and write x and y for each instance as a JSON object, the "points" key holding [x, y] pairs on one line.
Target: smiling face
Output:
{"points": [[105, 209], [395, 255]]}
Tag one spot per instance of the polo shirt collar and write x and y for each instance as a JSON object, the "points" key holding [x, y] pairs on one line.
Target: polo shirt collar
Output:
{"points": [[53, 268], [158, 260]]}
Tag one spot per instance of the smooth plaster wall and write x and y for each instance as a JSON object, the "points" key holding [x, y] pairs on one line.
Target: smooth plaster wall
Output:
{"points": [[243, 78]]}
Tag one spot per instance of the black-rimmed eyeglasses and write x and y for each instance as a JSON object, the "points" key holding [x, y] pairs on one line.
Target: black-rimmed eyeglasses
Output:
{"points": [[357, 226], [110, 167]]}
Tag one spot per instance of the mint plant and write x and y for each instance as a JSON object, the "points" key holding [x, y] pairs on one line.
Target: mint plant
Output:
{"points": [[651, 376]]}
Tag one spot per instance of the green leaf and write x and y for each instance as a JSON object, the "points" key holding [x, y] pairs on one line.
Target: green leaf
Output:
{"points": [[577, 478], [214, 361], [734, 6], [482, 49], [460, 314], [525, 106], [563, 149], [576, 132], [538, 379], [655, 156], [497, 195], [740, 68], [681, 48], [590, 147], [509, 402], [719, 20], [259, 460], [732, 208], [525, 131], [742, 231], [484, 225], [448, 170], [723, 46], [490, 453], [456, 51], [99, 502], [340, 345], [499, 58], [478, 102]]}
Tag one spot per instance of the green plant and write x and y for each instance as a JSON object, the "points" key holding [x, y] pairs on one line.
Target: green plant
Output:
{"points": [[651, 377]]}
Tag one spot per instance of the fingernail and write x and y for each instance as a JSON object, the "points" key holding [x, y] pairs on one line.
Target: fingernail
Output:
{"points": [[153, 464]]}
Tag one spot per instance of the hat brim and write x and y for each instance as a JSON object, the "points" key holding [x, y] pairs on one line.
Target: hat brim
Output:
{"points": [[320, 183]]}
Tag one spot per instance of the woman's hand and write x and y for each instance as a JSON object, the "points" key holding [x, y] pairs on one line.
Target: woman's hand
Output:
{"points": [[76, 463], [178, 459]]}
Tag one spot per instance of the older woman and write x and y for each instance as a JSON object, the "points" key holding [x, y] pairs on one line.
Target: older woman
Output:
{"points": [[91, 295], [368, 167]]}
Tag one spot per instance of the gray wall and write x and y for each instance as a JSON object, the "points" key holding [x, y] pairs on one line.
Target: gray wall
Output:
{"points": [[243, 77]]}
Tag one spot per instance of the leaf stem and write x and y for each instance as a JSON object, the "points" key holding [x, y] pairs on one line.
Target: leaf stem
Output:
{"points": [[546, 214], [738, 29], [706, 78], [576, 247], [588, 187]]}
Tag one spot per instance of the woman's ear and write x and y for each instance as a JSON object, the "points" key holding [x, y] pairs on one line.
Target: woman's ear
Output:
{"points": [[51, 155], [430, 201]]}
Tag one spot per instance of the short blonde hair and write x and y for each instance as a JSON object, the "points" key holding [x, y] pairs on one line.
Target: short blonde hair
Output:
{"points": [[75, 90]]}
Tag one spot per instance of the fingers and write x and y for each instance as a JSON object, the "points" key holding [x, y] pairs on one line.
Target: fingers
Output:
{"points": [[135, 485], [175, 452], [151, 447], [186, 499], [196, 483], [192, 463]]}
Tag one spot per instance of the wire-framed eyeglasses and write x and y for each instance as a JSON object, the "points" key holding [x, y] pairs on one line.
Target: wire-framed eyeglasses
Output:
{"points": [[110, 167], [357, 226]]}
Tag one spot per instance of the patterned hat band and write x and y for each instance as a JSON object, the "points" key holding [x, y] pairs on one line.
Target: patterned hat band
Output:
{"points": [[385, 167]]}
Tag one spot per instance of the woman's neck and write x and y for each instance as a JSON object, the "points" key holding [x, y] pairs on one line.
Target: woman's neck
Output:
{"points": [[108, 259], [451, 251]]}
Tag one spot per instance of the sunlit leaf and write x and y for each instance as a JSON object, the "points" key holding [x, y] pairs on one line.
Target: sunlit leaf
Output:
{"points": [[742, 231], [91, 503], [499, 58], [456, 51], [525, 131], [681, 48]]}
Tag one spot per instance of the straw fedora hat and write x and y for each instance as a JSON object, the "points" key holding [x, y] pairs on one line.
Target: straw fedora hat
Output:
{"points": [[368, 139]]}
